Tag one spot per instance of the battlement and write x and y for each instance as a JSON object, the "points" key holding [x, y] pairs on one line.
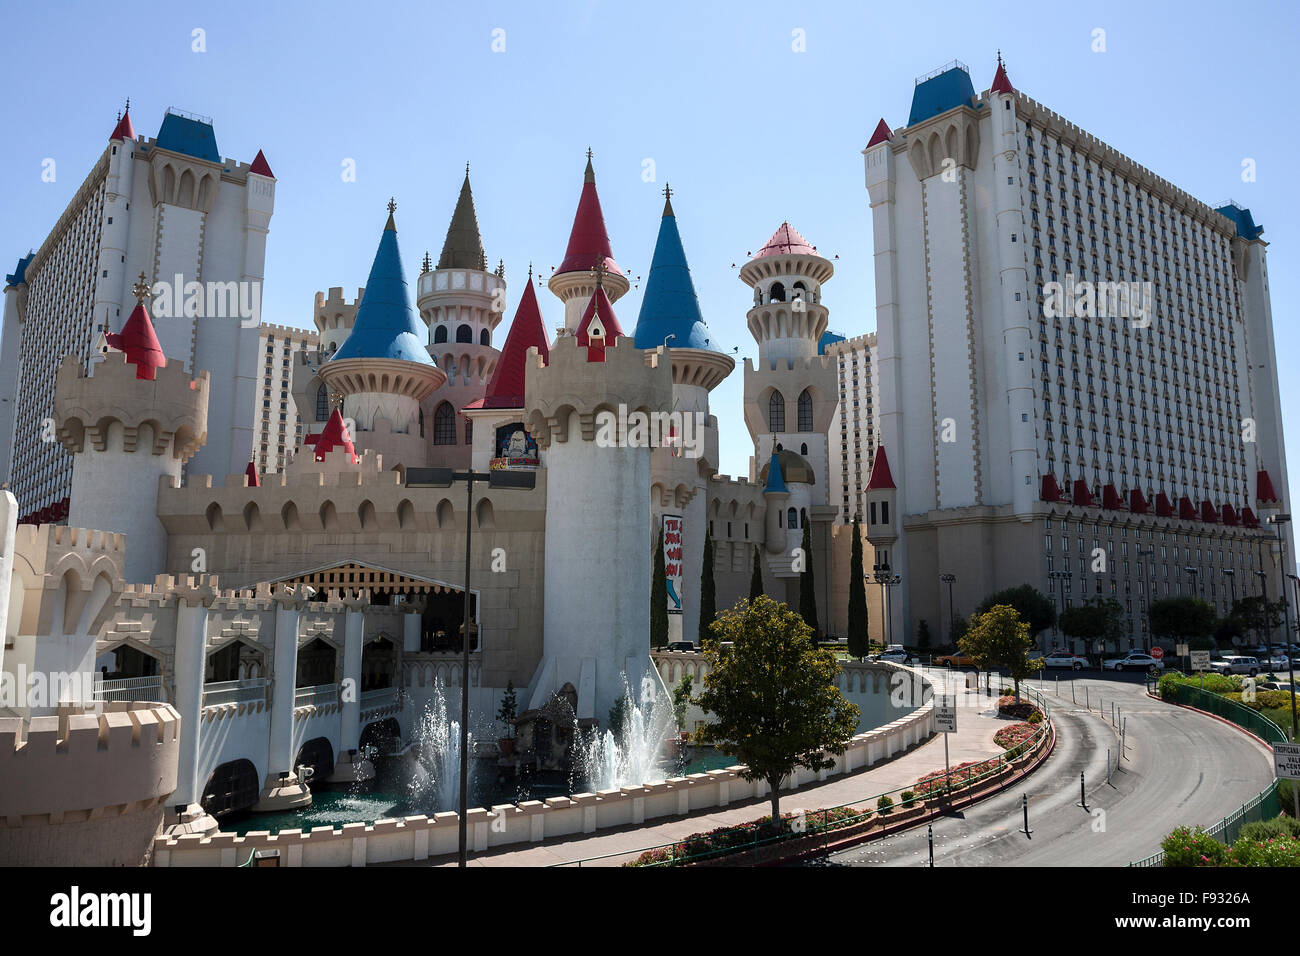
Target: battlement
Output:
{"points": [[335, 299], [173, 405], [816, 363], [60, 539], [631, 378], [73, 766], [166, 589], [288, 331]]}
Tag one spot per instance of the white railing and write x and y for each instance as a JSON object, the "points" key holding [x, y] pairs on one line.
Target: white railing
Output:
{"points": [[380, 697], [316, 695], [130, 688], [248, 690]]}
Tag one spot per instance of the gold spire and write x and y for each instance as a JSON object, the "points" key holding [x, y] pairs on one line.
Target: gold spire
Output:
{"points": [[391, 226], [141, 290]]}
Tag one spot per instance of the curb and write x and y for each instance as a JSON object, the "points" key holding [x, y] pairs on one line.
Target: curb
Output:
{"points": [[987, 791]]}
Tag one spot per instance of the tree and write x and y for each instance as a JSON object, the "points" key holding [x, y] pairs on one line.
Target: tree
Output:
{"points": [[1096, 619], [509, 705], [807, 588], [756, 577], [1185, 617], [708, 590], [999, 638], [1254, 614], [857, 635], [659, 597], [923, 635], [772, 696], [1036, 608], [682, 699]]}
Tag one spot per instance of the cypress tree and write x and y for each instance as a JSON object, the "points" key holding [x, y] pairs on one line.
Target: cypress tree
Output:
{"points": [[756, 578], [708, 591], [858, 640], [659, 597], [807, 587]]}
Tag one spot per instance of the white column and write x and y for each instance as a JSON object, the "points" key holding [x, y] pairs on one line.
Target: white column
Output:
{"points": [[192, 603], [8, 533], [354, 634], [285, 676], [411, 626]]}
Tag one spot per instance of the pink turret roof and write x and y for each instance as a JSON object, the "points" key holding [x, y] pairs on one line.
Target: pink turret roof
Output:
{"points": [[589, 239], [124, 130], [1264, 488], [506, 390], [261, 166], [254, 480], [880, 475], [608, 324], [883, 134], [334, 436], [786, 241], [138, 340], [1001, 83]]}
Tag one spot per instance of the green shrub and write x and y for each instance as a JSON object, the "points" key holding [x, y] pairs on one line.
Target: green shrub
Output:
{"points": [[1285, 796], [908, 798], [1269, 829], [1214, 683], [1035, 718], [1193, 847], [1276, 851], [884, 804]]}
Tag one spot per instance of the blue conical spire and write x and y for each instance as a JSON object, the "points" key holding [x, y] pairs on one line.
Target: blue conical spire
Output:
{"points": [[385, 326], [775, 480], [670, 306]]}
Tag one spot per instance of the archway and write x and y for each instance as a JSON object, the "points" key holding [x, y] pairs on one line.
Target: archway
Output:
{"points": [[232, 787]]}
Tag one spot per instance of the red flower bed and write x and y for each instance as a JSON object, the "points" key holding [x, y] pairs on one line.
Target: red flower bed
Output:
{"points": [[1007, 707], [1015, 738], [960, 776]]}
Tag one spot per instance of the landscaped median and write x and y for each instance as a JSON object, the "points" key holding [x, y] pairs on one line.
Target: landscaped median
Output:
{"points": [[805, 832]]}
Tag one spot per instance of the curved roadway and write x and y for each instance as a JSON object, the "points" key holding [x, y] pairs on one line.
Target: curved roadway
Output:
{"points": [[1180, 767]]}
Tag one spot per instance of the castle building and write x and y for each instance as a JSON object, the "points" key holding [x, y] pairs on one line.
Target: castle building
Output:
{"points": [[1078, 385], [195, 224], [854, 427]]}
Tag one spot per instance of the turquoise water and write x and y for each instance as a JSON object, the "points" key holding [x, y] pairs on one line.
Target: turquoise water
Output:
{"points": [[386, 797]]}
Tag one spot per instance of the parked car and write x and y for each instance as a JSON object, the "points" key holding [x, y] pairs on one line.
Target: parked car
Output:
{"points": [[1277, 685], [1278, 662], [1134, 661], [1235, 664], [681, 646], [1066, 659], [895, 654], [955, 659]]}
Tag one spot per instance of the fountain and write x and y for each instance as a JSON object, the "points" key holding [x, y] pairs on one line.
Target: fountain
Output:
{"points": [[435, 756], [632, 752]]}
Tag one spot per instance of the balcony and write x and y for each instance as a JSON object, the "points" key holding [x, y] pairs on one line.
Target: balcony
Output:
{"points": [[316, 696], [130, 688], [247, 691]]}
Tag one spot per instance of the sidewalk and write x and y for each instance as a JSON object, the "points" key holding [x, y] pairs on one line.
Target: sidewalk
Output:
{"points": [[972, 741]]}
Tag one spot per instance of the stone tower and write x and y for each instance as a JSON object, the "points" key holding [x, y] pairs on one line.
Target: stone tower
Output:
{"points": [[136, 420]]}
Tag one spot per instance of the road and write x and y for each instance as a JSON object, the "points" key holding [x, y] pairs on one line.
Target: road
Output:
{"points": [[1180, 767]]}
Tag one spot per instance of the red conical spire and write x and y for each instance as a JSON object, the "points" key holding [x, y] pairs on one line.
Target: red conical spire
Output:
{"points": [[137, 338], [881, 478], [599, 326], [506, 390], [124, 130], [1001, 84], [883, 134], [786, 241], [254, 480], [261, 166], [589, 239], [1264, 488], [334, 436]]}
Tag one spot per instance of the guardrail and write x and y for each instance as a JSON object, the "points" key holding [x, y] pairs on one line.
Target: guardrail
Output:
{"points": [[316, 695], [1264, 805], [248, 690], [752, 837], [130, 688]]}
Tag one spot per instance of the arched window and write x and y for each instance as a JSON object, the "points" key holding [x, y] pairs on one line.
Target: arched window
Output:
{"points": [[469, 431], [444, 425], [422, 423], [322, 404], [805, 411], [776, 292], [485, 337], [464, 334], [776, 413], [792, 519], [803, 449], [440, 334]]}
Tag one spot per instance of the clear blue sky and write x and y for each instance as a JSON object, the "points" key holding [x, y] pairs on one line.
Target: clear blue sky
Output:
{"points": [[748, 131]]}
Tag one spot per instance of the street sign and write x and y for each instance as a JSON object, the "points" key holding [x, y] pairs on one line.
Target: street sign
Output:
{"points": [[945, 713], [1181, 650], [1157, 652], [1200, 660], [1286, 760]]}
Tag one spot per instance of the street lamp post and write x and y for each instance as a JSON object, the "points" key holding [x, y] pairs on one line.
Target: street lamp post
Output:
{"points": [[1278, 520], [1295, 726], [948, 579], [443, 478], [1146, 597], [1061, 576]]}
